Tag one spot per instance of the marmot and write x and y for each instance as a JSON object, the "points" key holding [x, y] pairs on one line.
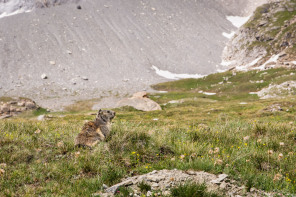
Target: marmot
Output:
{"points": [[97, 130]]}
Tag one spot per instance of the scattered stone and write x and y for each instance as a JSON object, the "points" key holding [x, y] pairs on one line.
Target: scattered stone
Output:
{"points": [[105, 186], [43, 76], [12, 109], [84, 78], [4, 108], [79, 7], [69, 52], [5, 116], [52, 62], [21, 103], [220, 178], [273, 108], [12, 103], [41, 117], [30, 105]]}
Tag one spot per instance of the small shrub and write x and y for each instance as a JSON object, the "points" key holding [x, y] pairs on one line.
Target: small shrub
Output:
{"points": [[144, 187], [123, 192], [191, 189]]}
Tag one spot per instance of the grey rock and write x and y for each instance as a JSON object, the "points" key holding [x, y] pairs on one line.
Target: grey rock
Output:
{"points": [[105, 186], [149, 193], [154, 185], [4, 108], [115, 188], [5, 116], [140, 101], [12, 103], [41, 117], [262, 23], [220, 178], [21, 103], [30, 105], [52, 62], [43, 76]]}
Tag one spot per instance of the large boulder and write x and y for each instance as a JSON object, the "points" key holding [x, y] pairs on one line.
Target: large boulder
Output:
{"points": [[140, 101]]}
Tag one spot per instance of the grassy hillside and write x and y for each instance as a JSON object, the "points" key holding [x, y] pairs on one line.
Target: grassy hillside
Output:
{"points": [[232, 132]]}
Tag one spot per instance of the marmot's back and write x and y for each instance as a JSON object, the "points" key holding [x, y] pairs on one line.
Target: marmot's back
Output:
{"points": [[97, 130]]}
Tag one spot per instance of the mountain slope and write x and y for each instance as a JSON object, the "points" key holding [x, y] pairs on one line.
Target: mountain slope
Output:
{"points": [[267, 39], [109, 47]]}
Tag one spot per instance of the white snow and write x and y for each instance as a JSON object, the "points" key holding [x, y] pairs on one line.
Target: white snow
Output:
{"points": [[294, 62], [19, 11], [226, 63], [227, 35], [207, 93], [170, 75], [162, 92], [221, 70], [238, 21], [273, 58], [245, 67]]}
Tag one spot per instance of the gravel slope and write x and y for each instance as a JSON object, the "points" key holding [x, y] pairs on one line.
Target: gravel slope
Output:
{"points": [[108, 47]]}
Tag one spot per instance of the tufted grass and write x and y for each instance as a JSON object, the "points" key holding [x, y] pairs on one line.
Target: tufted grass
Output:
{"points": [[202, 133], [191, 189]]}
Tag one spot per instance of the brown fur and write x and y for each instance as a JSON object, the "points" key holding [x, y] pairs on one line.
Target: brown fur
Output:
{"points": [[97, 130]]}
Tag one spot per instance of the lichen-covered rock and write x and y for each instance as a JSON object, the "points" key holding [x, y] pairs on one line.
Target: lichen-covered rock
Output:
{"points": [[163, 180]]}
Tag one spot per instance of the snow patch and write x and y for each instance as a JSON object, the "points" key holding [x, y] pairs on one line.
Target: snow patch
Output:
{"points": [[238, 21], [170, 75], [162, 92], [229, 36], [273, 58], [245, 67], [226, 63], [207, 93], [5, 14], [294, 62]]}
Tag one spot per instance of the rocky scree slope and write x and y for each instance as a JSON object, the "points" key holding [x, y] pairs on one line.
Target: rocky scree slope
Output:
{"points": [[107, 48], [268, 39]]}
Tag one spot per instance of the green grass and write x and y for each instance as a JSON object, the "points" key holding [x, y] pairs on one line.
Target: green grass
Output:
{"points": [[198, 134], [191, 189]]}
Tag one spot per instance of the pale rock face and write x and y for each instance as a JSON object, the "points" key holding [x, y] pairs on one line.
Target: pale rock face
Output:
{"points": [[253, 47], [140, 101]]}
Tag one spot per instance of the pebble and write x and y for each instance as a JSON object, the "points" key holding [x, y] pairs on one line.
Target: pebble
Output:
{"points": [[43, 76]]}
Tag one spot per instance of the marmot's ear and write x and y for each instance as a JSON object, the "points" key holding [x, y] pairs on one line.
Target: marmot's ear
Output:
{"points": [[99, 113]]}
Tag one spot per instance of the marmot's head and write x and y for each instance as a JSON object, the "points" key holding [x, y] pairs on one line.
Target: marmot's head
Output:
{"points": [[106, 115]]}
